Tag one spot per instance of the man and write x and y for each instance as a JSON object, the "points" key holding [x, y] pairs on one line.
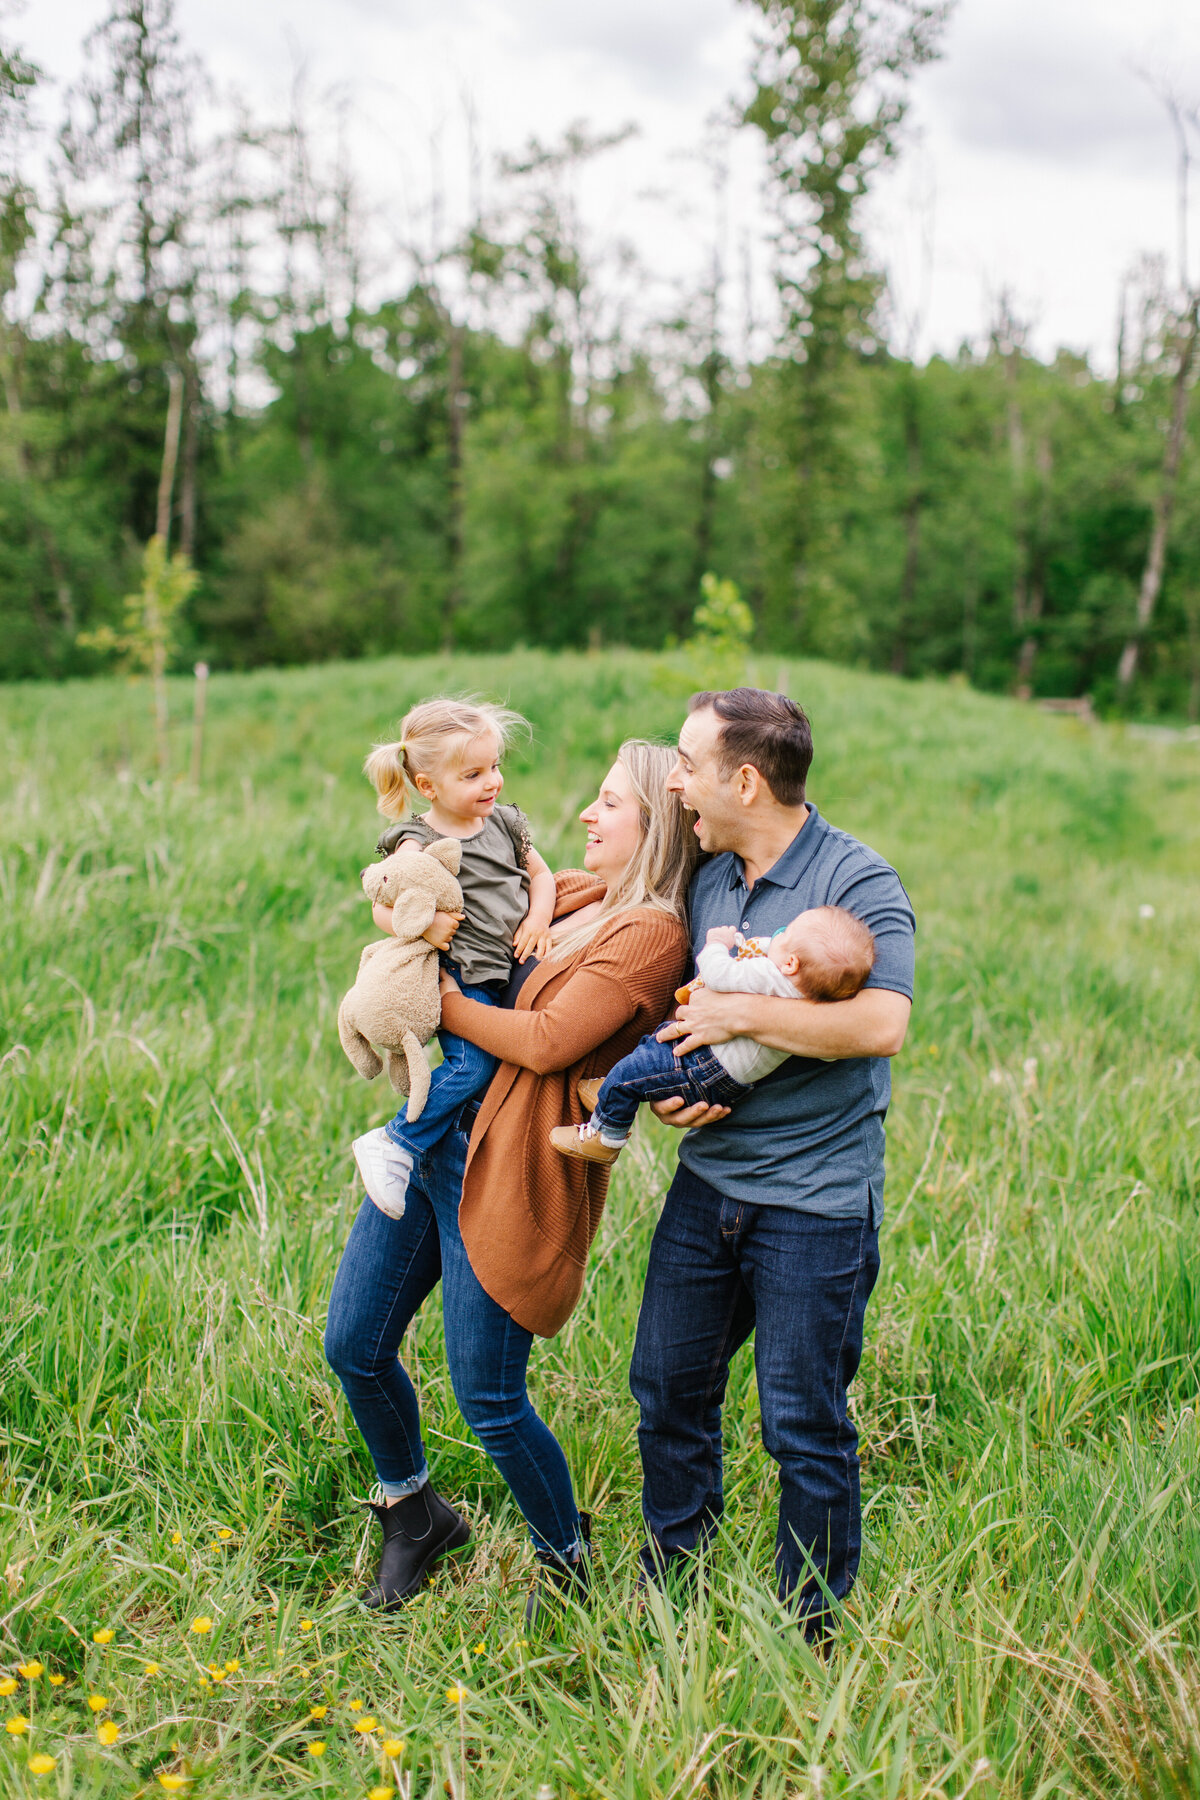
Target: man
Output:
{"points": [[771, 1223]]}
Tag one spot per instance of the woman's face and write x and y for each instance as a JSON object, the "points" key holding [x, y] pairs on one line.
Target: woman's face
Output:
{"points": [[614, 825]]}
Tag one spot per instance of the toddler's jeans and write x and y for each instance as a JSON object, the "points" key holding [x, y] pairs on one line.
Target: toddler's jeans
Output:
{"points": [[463, 1073]]}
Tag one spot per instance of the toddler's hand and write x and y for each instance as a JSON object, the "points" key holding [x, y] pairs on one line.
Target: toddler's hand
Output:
{"points": [[441, 932], [532, 938], [722, 934]]}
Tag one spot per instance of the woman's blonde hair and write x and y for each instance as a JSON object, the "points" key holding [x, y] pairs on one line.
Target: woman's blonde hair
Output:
{"points": [[660, 869], [433, 735]]}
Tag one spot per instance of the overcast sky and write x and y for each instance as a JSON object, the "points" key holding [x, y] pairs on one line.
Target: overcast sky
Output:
{"points": [[1037, 159]]}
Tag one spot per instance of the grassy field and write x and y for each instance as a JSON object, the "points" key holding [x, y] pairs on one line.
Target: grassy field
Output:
{"points": [[176, 1116]]}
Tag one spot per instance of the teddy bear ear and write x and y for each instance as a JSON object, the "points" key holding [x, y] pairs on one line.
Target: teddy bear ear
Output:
{"points": [[448, 852]]}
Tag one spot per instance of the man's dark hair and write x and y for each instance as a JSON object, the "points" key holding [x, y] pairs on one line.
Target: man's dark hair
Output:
{"points": [[768, 731]]}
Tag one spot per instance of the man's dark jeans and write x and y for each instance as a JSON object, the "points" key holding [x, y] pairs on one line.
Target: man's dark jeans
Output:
{"points": [[719, 1270]]}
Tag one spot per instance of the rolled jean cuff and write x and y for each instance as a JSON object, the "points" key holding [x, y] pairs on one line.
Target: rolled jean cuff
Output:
{"points": [[400, 1490]]}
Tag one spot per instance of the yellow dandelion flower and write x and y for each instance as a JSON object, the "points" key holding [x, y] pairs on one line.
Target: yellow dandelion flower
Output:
{"points": [[219, 1675], [202, 1625], [456, 1695], [16, 1727], [306, 1624], [365, 1725], [317, 1747], [171, 1782], [30, 1670], [317, 1712], [393, 1746], [176, 1538], [108, 1733], [56, 1680], [232, 1666], [354, 1705], [97, 1702], [151, 1669], [8, 1686], [380, 1793], [224, 1534], [41, 1764], [204, 1682], [105, 1635], [480, 1649]]}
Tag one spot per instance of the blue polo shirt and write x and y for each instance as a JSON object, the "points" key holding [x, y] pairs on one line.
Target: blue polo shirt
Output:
{"points": [[810, 1134]]}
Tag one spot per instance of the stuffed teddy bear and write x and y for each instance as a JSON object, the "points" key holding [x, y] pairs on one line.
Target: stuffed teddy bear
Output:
{"points": [[394, 1001]]}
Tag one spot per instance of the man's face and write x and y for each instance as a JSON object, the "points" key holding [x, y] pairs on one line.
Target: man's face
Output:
{"points": [[697, 779]]}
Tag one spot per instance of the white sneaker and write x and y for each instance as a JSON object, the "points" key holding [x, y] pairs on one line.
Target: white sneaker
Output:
{"points": [[386, 1169]]}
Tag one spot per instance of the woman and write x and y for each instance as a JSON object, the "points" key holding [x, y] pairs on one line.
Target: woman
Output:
{"points": [[494, 1213]]}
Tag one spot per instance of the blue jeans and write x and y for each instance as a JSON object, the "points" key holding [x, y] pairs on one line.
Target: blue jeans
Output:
{"points": [[464, 1072], [720, 1269], [389, 1266], [653, 1072]]}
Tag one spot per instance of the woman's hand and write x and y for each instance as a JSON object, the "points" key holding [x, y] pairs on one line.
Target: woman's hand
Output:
{"points": [[443, 929]]}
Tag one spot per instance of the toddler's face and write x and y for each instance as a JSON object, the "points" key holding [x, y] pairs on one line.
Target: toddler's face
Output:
{"points": [[468, 788]]}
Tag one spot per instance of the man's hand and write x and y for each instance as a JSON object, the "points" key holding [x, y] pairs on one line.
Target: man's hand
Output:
{"points": [[707, 1018], [441, 932], [722, 934], [532, 936], [674, 1112]]}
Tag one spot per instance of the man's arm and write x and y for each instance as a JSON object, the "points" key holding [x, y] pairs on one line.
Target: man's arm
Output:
{"points": [[873, 1023]]}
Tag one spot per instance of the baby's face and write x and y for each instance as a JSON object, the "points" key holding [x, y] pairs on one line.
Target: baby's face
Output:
{"points": [[783, 949]]}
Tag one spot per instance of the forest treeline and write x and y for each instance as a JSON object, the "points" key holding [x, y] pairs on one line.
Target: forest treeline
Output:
{"points": [[498, 449]]}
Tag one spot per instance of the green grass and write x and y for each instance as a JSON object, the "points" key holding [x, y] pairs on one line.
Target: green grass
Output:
{"points": [[176, 1116]]}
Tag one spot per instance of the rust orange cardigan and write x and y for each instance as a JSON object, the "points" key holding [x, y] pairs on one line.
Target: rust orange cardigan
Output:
{"points": [[528, 1215]]}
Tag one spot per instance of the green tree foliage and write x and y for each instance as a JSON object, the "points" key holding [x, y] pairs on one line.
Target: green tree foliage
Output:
{"points": [[486, 455]]}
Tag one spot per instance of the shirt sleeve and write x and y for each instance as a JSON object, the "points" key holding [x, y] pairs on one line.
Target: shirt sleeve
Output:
{"points": [[876, 896], [394, 836]]}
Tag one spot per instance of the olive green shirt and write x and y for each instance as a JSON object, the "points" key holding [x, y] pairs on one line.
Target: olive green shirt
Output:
{"points": [[495, 885]]}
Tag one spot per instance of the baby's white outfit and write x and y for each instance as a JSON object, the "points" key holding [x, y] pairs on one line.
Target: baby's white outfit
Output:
{"points": [[745, 970]]}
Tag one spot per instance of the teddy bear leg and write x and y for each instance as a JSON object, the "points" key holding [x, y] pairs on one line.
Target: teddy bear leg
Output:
{"points": [[355, 1044], [408, 1071]]}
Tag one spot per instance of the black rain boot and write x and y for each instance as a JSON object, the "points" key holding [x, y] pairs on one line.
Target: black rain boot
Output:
{"points": [[416, 1532], [557, 1580]]}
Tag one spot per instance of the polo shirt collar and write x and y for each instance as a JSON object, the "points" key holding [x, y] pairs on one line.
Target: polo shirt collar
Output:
{"points": [[788, 869]]}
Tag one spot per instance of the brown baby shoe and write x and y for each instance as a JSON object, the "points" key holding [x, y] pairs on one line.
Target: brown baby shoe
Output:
{"points": [[582, 1141], [589, 1093]]}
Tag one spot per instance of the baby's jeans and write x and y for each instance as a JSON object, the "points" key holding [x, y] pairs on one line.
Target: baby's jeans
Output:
{"points": [[654, 1072], [464, 1072]]}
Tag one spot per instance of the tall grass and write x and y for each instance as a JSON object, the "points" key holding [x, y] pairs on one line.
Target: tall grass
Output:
{"points": [[176, 1116]]}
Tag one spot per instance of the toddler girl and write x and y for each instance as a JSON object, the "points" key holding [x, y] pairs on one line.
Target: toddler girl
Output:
{"points": [[449, 754]]}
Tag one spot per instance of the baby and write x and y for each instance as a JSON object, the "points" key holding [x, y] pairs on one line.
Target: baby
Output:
{"points": [[825, 953]]}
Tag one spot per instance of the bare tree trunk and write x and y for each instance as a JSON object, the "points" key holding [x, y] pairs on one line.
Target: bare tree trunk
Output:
{"points": [[1164, 504], [913, 501], [187, 482], [166, 479], [455, 534], [166, 487], [1016, 455], [1036, 603]]}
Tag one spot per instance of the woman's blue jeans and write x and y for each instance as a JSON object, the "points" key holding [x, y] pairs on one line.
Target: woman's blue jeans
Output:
{"points": [[388, 1268]]}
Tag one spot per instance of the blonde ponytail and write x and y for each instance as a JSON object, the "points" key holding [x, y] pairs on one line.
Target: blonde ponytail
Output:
{"points": [[433, 736]]}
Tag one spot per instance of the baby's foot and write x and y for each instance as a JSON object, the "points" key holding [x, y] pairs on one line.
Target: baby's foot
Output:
{"points": [[589, 1093], [386, 1169], [585, 1142]]}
